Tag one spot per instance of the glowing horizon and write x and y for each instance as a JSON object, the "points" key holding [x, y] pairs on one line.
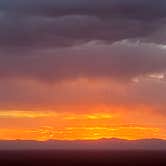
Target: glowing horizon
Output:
{"points": [[82, 69], [46, 125]]}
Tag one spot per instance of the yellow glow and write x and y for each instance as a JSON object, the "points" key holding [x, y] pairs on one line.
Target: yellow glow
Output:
{"points": [[26, 114], [86, 133], [93, 124]]}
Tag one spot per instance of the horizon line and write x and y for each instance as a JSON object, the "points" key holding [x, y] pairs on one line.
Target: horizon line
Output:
{"points": [[92, 140]]}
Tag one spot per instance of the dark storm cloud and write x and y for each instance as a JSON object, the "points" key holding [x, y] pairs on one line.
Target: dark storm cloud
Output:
{"points": [[128, 8], [34, 28], [30, 24]]}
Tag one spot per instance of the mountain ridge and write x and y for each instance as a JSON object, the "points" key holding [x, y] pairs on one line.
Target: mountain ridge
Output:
{"points": [[100, 144]]}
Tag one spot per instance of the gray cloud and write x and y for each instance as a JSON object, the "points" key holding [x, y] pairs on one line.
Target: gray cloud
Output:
{"points": [[54, 40], [127, 8], [27, 25], [121, 61]]}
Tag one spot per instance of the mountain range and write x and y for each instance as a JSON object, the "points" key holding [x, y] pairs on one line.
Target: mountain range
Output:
{"points": [[101, 144]]}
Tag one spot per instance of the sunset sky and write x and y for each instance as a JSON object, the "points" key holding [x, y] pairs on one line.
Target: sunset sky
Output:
{"points": [[82, 69]]}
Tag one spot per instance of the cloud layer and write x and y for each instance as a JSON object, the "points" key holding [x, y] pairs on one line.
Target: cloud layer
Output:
{"points": [[60, 41], [121, 61], [32, 24]]}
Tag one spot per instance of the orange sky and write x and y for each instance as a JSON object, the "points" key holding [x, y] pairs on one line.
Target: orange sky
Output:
{"points": [[83, 109], [97, 122]]}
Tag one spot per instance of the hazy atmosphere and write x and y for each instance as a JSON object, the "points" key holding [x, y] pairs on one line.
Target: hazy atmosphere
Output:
{"points": [[82, 69]]}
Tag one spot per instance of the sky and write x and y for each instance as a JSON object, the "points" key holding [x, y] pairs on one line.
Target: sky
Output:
{"points": [[80, 69]]}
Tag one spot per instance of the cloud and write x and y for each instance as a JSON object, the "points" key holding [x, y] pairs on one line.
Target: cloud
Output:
{"points": [[32, 24], [57, 41], [83, 96], [120, 61], [127, 8]]}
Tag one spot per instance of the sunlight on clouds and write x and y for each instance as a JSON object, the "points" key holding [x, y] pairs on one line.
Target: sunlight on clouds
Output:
{"points": [[75, 133], [157, 76], [94, 116], [26, 114], [45, 114], [95, 123]]}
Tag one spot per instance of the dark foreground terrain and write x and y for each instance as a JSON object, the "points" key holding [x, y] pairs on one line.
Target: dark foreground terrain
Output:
{"points": [[82, 158]]}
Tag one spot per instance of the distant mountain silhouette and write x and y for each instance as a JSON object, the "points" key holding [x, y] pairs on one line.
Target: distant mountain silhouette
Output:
{"points": [[101, 144]]}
